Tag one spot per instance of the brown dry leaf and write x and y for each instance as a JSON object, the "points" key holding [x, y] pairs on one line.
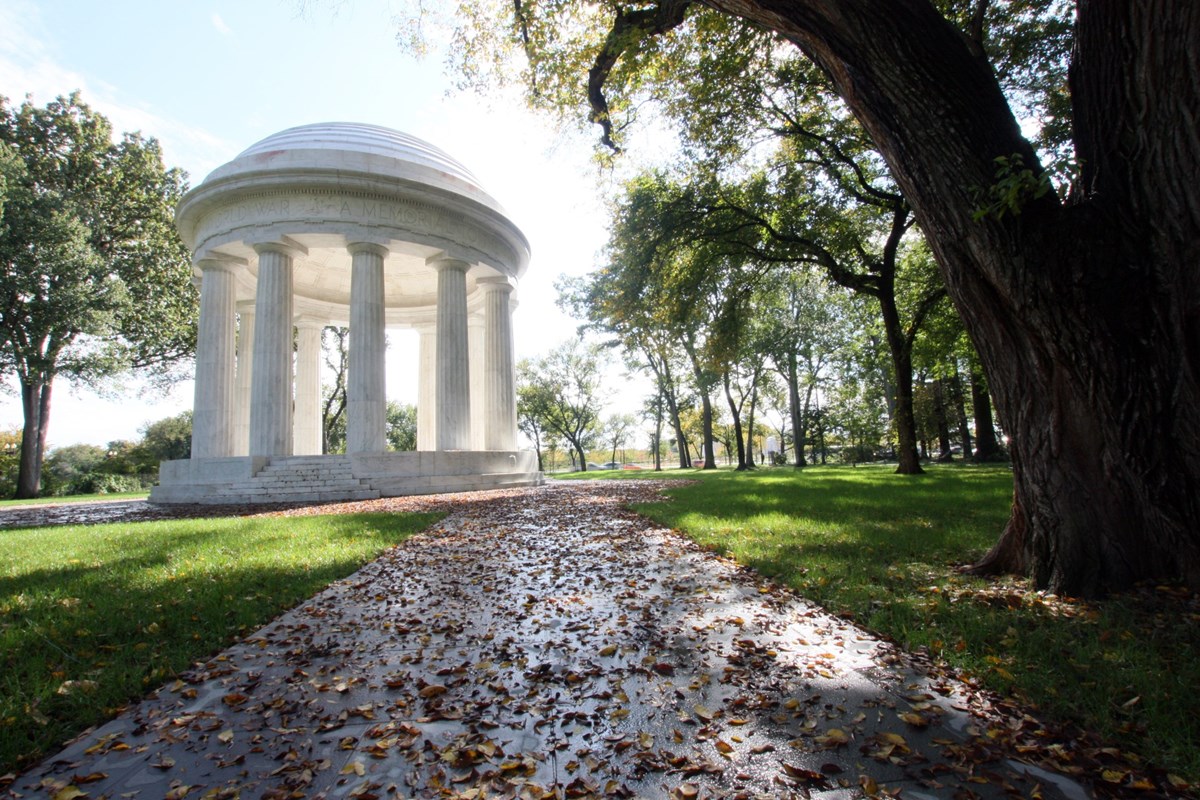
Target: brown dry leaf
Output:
{"points": [[432, 690], [76, 687], [234, 699], [91, 777], [834, 737], [916, 720], [686, 791], [607, 651], [646, 740], [869, 786], [803, 775], [702, 713], [724, 747]]}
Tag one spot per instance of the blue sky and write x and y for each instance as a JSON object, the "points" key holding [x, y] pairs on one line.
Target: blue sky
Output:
{"points": [[210, 79]]}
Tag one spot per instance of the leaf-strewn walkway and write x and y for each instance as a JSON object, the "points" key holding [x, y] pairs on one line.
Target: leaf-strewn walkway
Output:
{"points": [[547, 643]]}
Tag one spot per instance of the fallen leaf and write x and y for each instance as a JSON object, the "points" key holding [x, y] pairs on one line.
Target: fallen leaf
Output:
{"points": [[225, 736], [702, 713], [69, 793], [432, 690]]}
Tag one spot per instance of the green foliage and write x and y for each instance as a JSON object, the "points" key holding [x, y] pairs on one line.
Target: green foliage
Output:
{"points": [[401, 426], [98, 216], [167, 439], [885, 549], [1015, 186], [94, 279], [93, 617], [560, 394]]}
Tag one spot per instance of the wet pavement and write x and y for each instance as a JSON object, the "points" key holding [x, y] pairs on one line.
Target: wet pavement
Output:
{"points": [[544, 643]]}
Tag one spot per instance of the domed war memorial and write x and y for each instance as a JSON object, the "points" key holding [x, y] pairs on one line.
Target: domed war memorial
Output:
{"points": [[365, 227]]}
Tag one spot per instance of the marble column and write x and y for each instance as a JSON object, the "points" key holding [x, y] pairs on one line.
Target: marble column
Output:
{"points": [[453, 393], [475, 348], [213, 420], [366, 387], [245, 359], [271, 384], [427, 388], [306, 429], [499, 380]]}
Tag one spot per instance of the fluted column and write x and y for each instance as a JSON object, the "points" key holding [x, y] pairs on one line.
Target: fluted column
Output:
{"points": [[499, 380], [366, 387], [427, 388], [453, 393], [475, 348], [245, 359], [213, 415], [306, 428], [271, 384]]}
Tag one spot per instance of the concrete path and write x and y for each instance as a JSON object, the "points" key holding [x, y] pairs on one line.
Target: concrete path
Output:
{"points": [[545, 643]]}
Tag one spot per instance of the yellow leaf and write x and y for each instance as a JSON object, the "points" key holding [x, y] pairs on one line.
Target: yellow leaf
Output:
{"points": [[869, 786], [225, 736], [69, 793], [646, 740], [605, 652], [702, 713], [1113, 776], [916, 720], [724, 747]]}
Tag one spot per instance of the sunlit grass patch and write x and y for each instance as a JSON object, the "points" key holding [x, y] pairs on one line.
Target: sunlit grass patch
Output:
{"points": [[92, 617], [885, 549]]}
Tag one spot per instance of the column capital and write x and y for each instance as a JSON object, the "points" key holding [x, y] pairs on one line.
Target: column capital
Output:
{"points": [[374, 248], [283, 245], [498, 284], [215, 265], [444, 262]]}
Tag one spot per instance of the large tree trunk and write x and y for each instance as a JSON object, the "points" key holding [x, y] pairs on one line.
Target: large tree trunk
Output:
{"points": [[900, 349], [987, 448], [797, 413], [960, 414], [942, 419], [706, 424], [736, 413], [1087, 318], [35, 405]]}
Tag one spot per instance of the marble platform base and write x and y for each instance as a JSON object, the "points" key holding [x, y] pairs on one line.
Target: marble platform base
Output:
{"points": [[317, 479]]}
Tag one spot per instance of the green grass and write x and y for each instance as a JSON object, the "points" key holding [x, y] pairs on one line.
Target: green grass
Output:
{"points": [[92, 617], [884, 548], [76, 498]]}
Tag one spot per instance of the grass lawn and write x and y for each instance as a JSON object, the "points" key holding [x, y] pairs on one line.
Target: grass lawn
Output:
{"points": [[884, 547], [77, 498], [92, 617]]}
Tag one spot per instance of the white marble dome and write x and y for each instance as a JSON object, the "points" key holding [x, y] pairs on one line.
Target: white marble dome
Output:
{"points": [[320, 187], [357, 147]]}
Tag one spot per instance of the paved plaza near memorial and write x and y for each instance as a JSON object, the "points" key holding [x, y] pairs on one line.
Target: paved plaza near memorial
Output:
{"points": [[547, 642]]}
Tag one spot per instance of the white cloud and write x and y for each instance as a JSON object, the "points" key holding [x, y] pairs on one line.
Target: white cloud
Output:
{"points": [[220, 25]]}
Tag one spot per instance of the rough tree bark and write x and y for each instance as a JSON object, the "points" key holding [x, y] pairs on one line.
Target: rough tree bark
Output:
{"points": [[35, 399], [1086, 317]]}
